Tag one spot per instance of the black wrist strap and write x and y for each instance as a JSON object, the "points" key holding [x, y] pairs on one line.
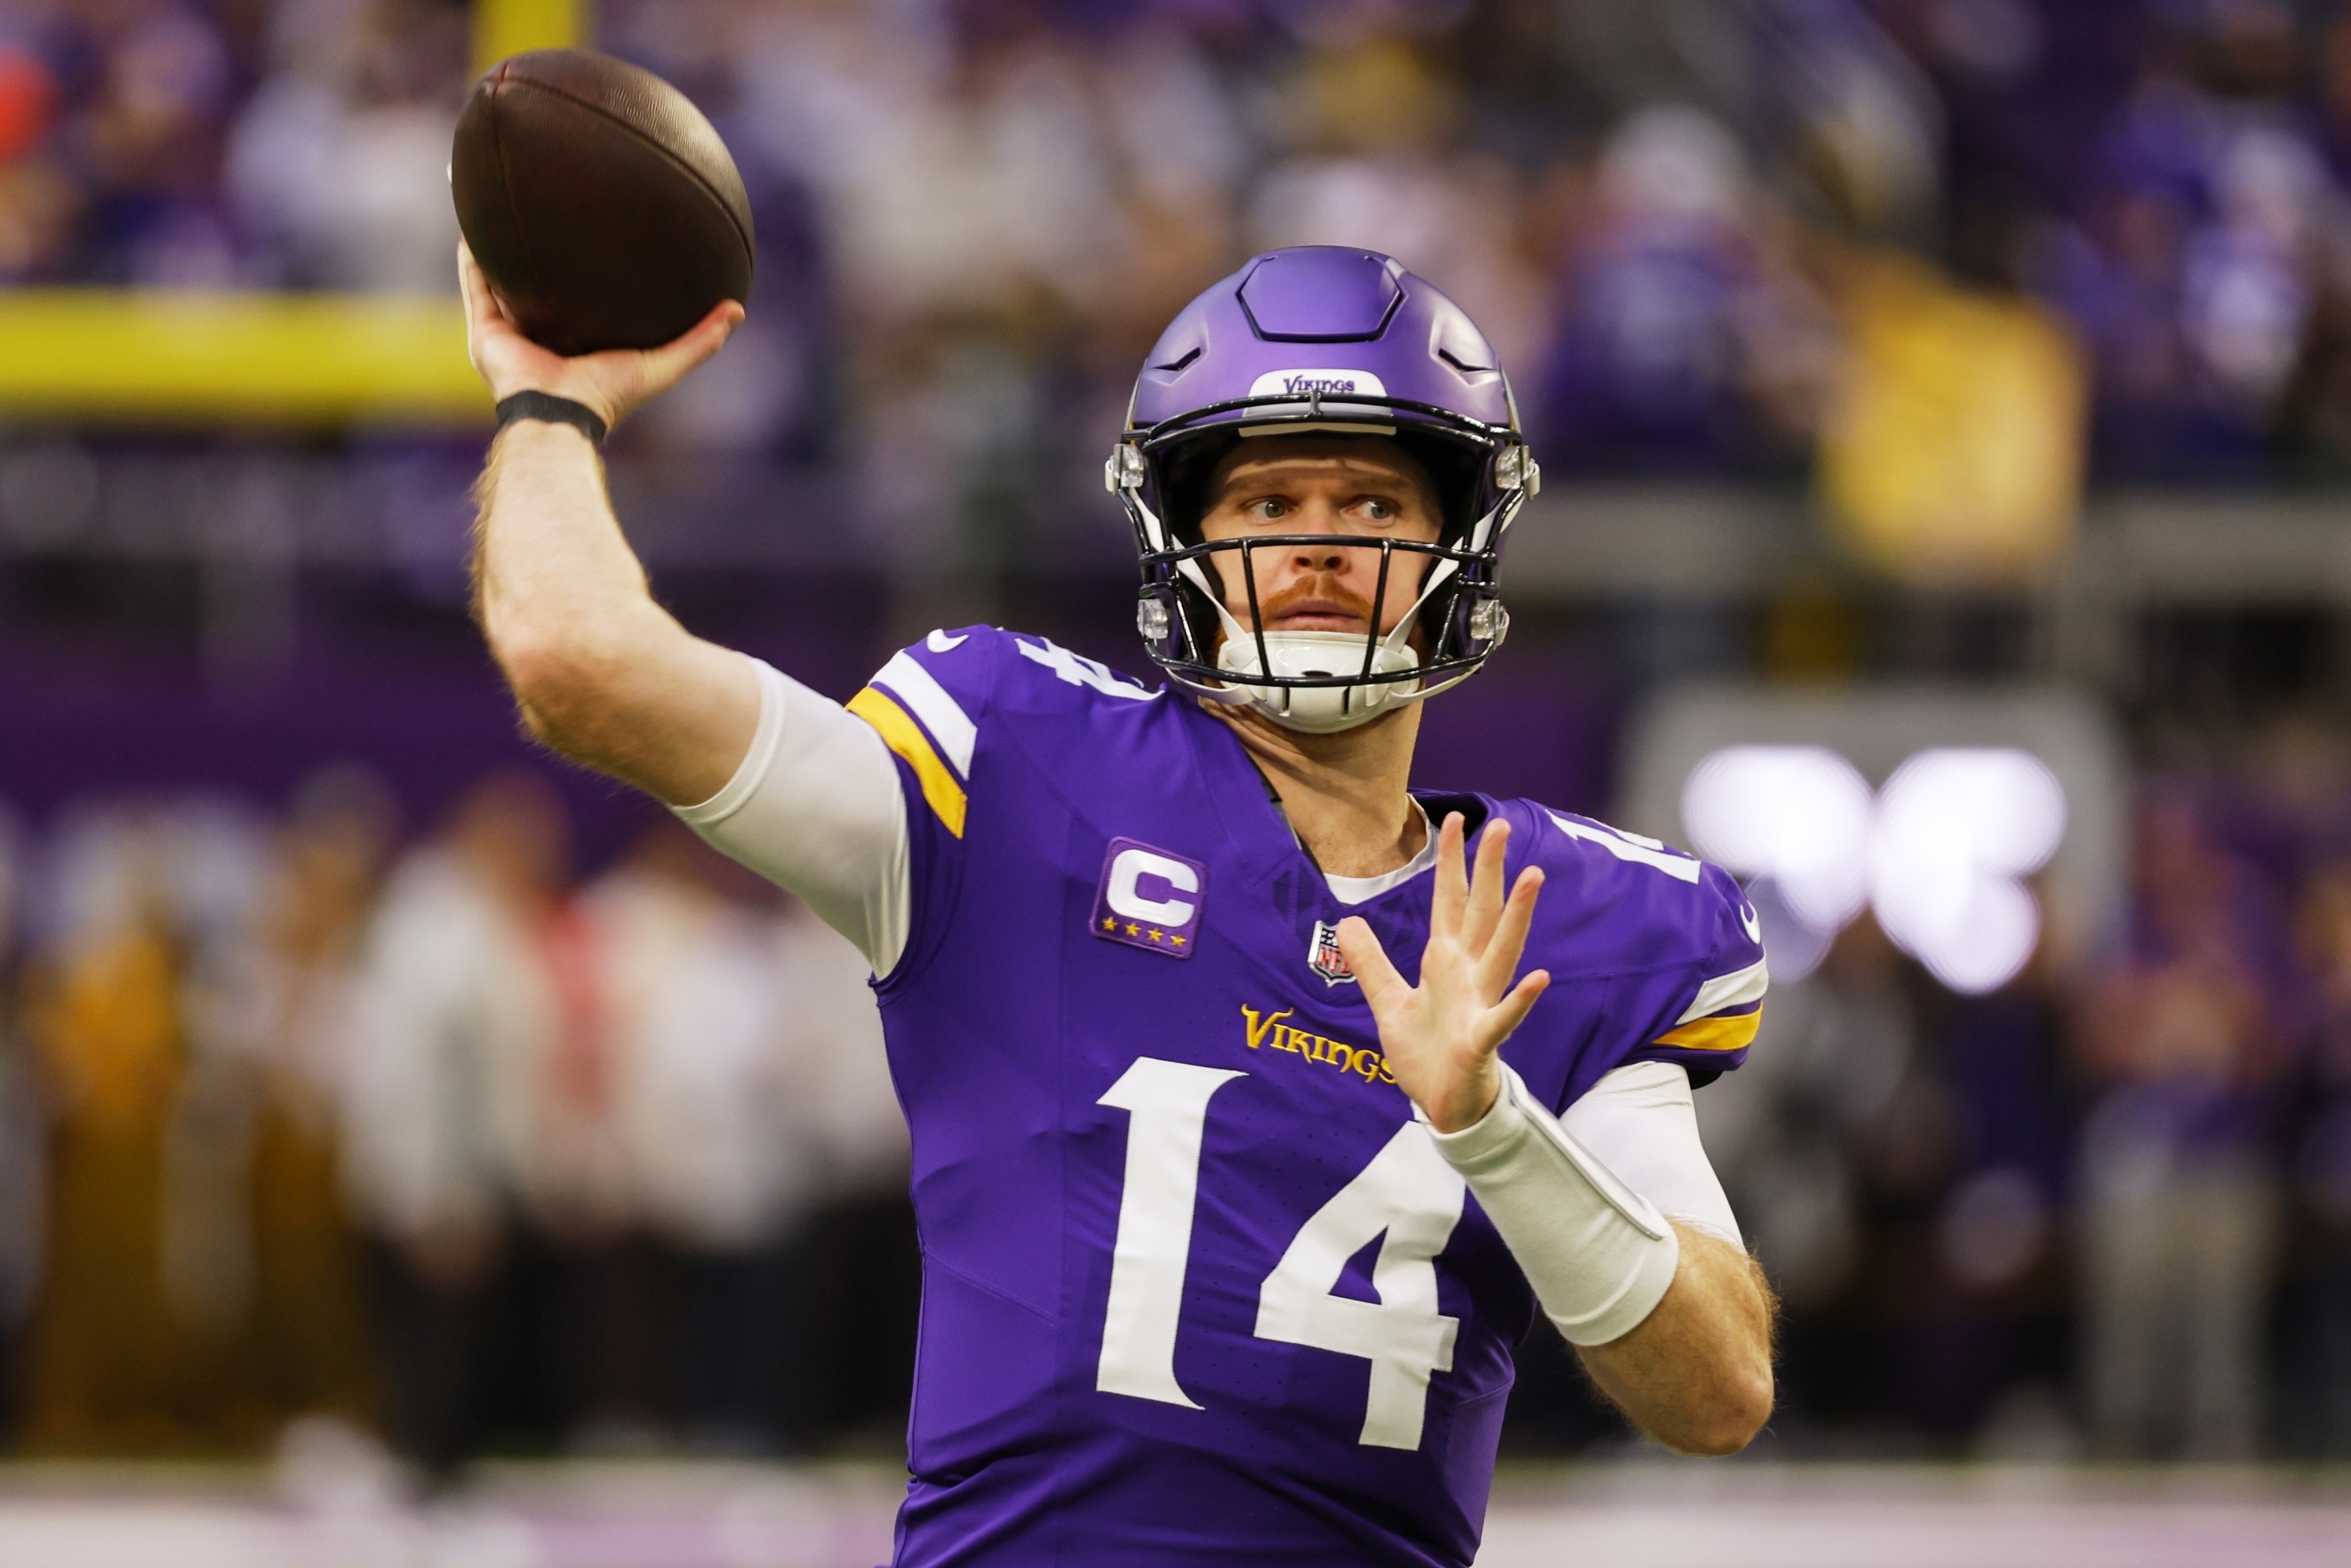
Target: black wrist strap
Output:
{"points": [[553, 409]]}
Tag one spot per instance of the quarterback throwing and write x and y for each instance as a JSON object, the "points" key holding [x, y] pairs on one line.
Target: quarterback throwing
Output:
{"points": [[1258, 1102]]}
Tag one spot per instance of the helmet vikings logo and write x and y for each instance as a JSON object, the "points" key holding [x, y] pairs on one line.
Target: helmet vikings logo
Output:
{"points": [[1322, 955]]}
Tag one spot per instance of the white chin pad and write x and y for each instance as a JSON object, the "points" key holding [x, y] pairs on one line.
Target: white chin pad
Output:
{"points": [[1317, 710]]}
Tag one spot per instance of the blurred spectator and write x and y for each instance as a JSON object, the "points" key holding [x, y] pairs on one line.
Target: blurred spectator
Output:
{"points": [[458, 1008], [102, 1014], [1991, 1353], [2182, 1042], [2213, 228], [708, 1114], [23, 1170], [1840, 1044], [1685, 343], [337, 167], [147, 141], [284, 1014], [1011, 211], [147, 1255], [38, 202], [976, 164], [2319, 1391], [1379, 165], [853, 1262], [765, 1146], [1800, 1143]]}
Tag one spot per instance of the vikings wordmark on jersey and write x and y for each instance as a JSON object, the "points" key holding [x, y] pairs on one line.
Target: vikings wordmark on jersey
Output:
{"points": [[1198, 1285]]}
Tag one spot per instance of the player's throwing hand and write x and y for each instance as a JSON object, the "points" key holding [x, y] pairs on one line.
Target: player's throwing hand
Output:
{"points": [[613, 383], [1440, 1037]]}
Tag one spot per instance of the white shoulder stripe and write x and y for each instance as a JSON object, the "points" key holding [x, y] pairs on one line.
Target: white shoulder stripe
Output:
{"points": [[1624, 849], [940, 713], [1735, 990]]}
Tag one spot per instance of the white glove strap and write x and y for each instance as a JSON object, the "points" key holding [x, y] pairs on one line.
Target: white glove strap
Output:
{"points": [[1600, 1258]]}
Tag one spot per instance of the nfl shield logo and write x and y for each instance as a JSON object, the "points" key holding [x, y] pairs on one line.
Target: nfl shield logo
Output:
{"points": [[1322, 955]]}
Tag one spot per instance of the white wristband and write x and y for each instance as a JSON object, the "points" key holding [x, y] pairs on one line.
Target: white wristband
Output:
{"points": [[1599, 1256]]}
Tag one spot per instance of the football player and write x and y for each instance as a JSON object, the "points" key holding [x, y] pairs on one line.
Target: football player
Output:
{"points": [[1246, 1145]]}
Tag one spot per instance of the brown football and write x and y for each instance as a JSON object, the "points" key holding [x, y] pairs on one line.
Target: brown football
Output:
{"points": [[601, 206]]}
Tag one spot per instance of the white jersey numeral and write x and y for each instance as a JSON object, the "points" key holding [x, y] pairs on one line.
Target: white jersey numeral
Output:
{"points": [[1407, 1198], [1080, 671], [1167, 1110], [1409, 1194]]}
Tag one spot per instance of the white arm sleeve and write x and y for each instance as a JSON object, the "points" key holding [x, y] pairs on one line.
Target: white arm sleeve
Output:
{"points": [[1582, 1201], [1599, 1255], [816, 808], [1639, 1122]]}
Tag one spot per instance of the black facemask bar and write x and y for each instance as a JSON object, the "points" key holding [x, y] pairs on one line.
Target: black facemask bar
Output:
{"points": [[1180, 612]]}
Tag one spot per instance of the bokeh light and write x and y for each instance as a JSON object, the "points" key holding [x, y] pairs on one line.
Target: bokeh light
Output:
{"points": [[1936, 855], [1798, 815], [1956, 829]]}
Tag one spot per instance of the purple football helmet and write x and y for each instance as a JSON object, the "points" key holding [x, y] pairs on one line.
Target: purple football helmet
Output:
{"points": [[1328, 340]]}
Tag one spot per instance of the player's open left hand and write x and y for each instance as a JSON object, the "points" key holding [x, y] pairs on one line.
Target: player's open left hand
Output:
{"points": [[1440, 1037], [614, 384]]}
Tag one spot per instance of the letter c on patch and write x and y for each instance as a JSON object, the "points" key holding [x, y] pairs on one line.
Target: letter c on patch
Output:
{"points": [[1123, 896]]}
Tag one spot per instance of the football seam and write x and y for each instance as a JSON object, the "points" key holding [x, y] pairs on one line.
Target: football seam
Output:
{"points": [[505, 179], [750, 251]]}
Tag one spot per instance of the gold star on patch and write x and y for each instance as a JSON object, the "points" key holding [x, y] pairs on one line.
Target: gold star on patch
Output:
{"points": [[1109, 923], [1179, 941], [1154, 935], [1132, 929]]}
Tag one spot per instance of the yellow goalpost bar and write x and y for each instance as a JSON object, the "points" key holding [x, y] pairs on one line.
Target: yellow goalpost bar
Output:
{"points": [[174, 357], [184, 357], [503, 28]]}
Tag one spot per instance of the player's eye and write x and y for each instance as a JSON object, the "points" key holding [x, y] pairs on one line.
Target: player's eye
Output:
{"points": [[1379, 508], [1269, 510]]}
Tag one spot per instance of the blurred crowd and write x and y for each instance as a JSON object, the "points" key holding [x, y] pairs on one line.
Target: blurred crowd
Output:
{"points": [[442, 1145], [1708, 237], [436, 1143], [2106, 1210]]}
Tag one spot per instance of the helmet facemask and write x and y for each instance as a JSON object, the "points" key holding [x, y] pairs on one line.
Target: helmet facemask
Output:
{"points": [[1320, 682], [1337, 341]]}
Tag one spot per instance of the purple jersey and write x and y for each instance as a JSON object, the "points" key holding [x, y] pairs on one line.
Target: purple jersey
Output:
{"points": [[1196, 1286]]}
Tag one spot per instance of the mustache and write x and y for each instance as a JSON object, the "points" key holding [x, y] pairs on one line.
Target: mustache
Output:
{"points": [[1322, 587]]}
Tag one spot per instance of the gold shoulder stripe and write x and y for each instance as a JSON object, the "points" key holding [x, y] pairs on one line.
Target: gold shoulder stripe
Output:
{"points": [[1715, 1034], [901, 735]]}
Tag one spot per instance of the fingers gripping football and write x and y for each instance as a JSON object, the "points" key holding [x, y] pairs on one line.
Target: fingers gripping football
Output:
{"points": [[614, 384], [1440, 1037]]}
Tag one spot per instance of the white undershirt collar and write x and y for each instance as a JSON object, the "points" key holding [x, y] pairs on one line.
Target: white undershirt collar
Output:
{"points": [[1363, 889]]}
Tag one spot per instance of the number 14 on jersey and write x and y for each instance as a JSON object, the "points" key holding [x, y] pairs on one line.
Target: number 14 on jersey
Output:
{"points": [[1407, 1195]]}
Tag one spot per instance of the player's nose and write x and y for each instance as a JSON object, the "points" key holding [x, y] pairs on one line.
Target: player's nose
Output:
{"points": [[1320, 517]]}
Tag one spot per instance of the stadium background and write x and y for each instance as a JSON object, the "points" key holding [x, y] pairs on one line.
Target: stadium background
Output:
{"points": [[1908, 374]]}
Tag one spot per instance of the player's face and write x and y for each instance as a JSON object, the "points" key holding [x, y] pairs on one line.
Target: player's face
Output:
{"points": [[1363, 488]]}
